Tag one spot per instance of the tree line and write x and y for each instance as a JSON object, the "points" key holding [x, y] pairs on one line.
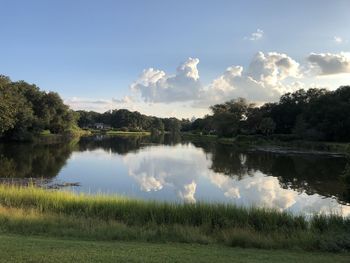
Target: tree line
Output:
{"points": [[314, 114], [126, 120], [26, 111]]}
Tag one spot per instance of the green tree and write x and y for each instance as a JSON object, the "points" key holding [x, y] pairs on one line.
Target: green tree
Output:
{"points": [[267, 126], [7, 110], [26, 111], [175, 126], [157, 126], [229, 116]]}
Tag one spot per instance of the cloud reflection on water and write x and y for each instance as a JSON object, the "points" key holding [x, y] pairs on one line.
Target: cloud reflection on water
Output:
{"points": [[182, 167]]}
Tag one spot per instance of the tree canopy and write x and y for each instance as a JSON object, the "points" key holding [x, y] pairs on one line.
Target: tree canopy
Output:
{"points": [[314, 114], [25, 110]]}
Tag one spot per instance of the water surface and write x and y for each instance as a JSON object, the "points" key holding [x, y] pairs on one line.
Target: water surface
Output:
{"points": [[169, 169]]}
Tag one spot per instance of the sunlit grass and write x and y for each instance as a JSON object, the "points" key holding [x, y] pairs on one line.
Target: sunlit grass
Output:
{"points": [[30, 210], [137, 133]]}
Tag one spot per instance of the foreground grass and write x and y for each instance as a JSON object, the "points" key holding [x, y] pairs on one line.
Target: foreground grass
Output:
{"points": [[16, 249], [34, 211]]}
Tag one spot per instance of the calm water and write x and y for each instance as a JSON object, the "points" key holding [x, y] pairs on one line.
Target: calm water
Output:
{"points": [[173, 170]]}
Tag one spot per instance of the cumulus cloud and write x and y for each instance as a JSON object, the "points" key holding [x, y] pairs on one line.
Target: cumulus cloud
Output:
{"points": [[272, 67], [157, 86], [265, 79], [262, 81], [329, 63], [256, 35]]}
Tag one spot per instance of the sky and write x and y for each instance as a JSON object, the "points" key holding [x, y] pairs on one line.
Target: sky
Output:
{"points": [[174, 58]]}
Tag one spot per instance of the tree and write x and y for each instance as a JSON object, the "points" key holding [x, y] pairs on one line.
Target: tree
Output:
{"points": [[229, 116], [267, 126], [4, 80], [26, 111], [7, 110], [157, 126], [175, 126], [300, 127]]}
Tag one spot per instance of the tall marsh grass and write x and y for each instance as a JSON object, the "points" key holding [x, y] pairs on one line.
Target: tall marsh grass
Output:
{"points": [[31, 210]]}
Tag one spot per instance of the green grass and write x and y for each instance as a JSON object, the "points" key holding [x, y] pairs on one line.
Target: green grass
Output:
{"points": [[119, 133], [34, 211], [16, 249], [45, 133], [139, 133]]}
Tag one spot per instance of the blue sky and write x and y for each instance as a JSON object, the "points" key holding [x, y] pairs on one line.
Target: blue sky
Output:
{"points": [[92, 52]]}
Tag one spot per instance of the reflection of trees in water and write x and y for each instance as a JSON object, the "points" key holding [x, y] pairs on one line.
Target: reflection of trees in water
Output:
{"points": [[114, 144], [172, 138], [125, 144], [38, 160], [33, 160], [309, 173], [229, 162], [346, 181], [166, 139]]}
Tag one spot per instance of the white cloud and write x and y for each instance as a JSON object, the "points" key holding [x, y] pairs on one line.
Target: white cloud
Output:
{"points": [[338, 40], [329, 63], [256, 35], [272, 67], [99, 105], [263, 81], [124, 100], [156, 86]]}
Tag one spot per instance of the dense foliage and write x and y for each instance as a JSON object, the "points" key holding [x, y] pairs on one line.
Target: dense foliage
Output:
{"points": [[26, 111], [126, 120], [315, 114]]}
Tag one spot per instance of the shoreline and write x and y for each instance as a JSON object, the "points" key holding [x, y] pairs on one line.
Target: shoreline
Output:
{"points": [[270, 144], [30, 210]]}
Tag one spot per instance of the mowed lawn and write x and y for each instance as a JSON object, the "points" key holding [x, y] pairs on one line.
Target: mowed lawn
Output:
{"points": [[42, 249]]}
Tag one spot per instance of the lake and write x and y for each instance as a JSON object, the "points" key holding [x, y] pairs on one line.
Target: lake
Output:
{"points": [[176, 170]]}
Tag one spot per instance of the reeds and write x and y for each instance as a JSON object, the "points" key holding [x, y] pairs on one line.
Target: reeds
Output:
{"points": [[116, 217]]}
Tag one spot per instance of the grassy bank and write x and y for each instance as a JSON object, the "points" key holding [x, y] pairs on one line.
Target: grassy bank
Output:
{"points": [[120, 133], [31, 210], [73, 133], [285, 141], [139, 133], [38, 249]]}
